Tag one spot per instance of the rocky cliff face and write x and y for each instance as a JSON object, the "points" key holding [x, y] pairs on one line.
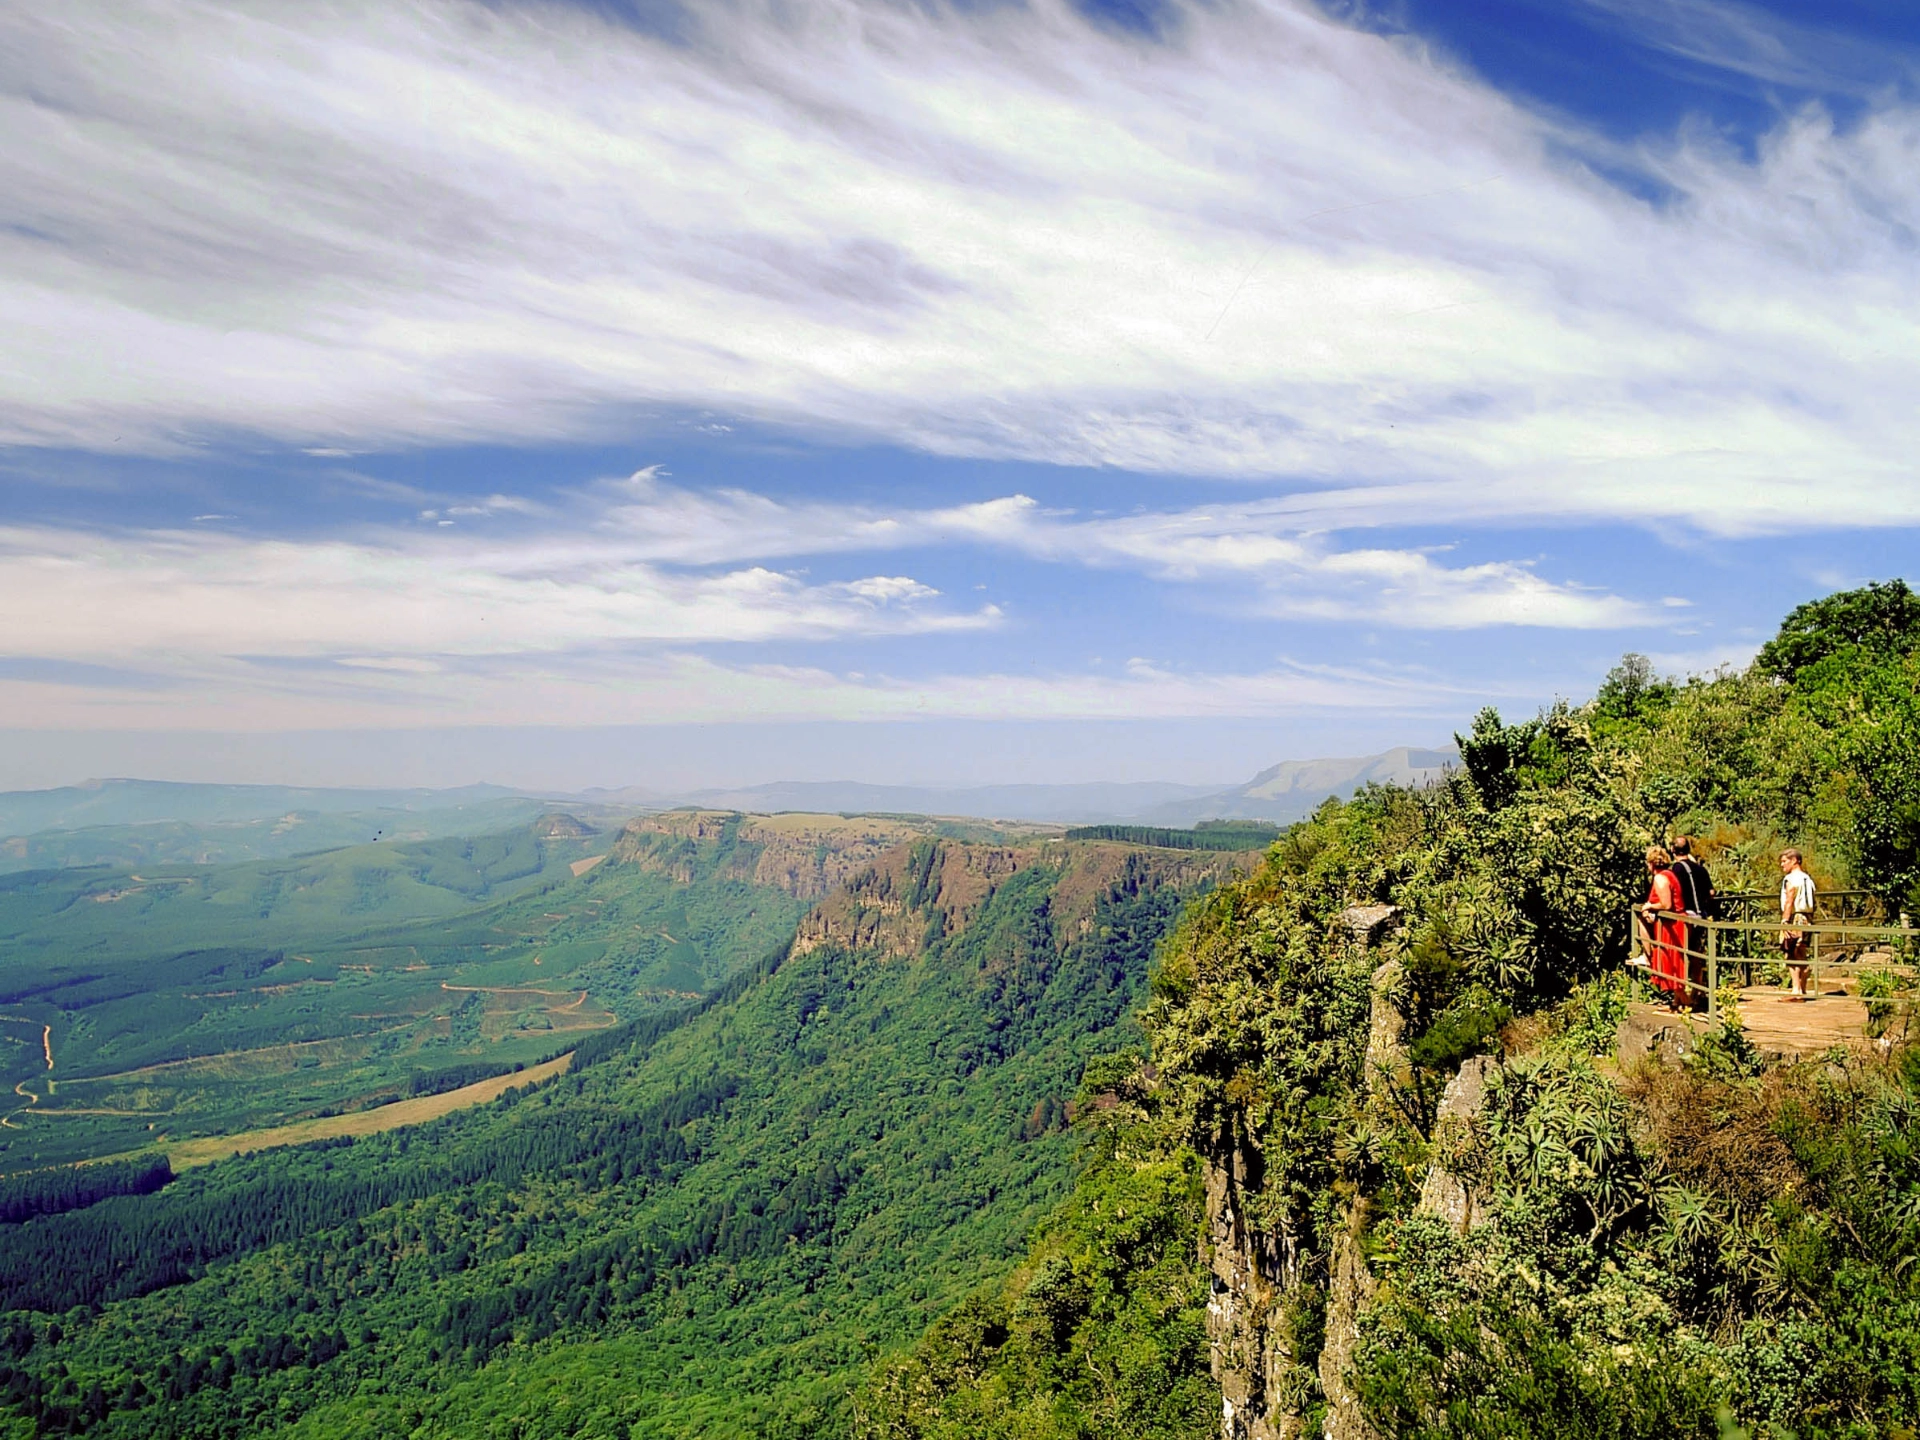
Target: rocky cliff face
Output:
{"points": [[913, 892], [808, 856], [1264, 1386], [924, 889], [1261, 1281]]}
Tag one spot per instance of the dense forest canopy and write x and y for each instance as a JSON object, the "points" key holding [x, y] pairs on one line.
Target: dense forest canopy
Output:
{"points": [[1882, 619], [705, 1227]]}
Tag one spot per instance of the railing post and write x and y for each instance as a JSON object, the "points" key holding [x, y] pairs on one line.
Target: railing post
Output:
{"points": [[1713, 972]]}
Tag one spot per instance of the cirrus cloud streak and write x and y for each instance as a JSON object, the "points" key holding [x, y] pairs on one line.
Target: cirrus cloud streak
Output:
{"points": [[1265, 245], [142, 597]]}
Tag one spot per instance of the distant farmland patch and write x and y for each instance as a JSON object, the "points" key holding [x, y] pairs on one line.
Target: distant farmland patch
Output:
{"points": [[187, 1153]]}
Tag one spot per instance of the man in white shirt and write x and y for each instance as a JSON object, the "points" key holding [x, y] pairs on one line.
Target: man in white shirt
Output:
{"points": [[1796, 911]]}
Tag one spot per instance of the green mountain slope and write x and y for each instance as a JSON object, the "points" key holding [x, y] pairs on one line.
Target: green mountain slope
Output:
{"points": [[317, 899], [708, 1228], [138, 802], [191, 1001]]}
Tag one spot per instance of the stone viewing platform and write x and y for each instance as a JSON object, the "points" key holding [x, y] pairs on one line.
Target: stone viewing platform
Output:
{"points": [[1779, 1028]]}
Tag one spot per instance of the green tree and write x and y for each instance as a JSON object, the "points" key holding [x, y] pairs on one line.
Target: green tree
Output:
{"points": [[1881, 747], [1882, 617], [1633, 690]]}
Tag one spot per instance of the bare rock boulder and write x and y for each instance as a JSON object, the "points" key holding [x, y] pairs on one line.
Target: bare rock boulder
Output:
{"points": [[1444, 1193]]}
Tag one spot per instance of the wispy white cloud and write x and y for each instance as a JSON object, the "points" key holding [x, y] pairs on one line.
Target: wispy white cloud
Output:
{"points": [[643, 562], [641, 578], [1750, 42], [200, 597], [1274, 552], [1268, 246], [1295, 573], [678, 686]]}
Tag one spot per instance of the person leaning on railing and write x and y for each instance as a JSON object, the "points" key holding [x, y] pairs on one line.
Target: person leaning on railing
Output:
{"points": [[1664, 933], [1700, 903]]}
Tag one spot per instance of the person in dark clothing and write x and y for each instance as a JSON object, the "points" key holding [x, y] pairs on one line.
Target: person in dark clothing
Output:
{"points": [[1696, 885], [1700, 903]]}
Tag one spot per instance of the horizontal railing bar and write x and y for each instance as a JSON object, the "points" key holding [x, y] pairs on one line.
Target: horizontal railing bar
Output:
{"points": [[1670, 979], [1775, 894], [1778, 959], [1821, 927]]}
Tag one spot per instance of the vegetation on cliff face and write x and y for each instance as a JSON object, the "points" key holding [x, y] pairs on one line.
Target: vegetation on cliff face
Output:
{"points": [[1673, 1251], [1099, 1334]]}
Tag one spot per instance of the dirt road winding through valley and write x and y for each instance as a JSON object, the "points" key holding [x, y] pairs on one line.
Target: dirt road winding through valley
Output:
{"points": [[46, 1046]]}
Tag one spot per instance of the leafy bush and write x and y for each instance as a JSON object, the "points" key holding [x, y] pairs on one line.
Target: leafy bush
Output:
{"points": [[1587, 1022], [1889, 997]]}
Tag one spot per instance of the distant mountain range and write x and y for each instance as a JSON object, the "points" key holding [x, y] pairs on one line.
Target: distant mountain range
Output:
{"points": [[141, 802], [1288, 791], [1284, 792], [1293, 789], [1067, 804]]}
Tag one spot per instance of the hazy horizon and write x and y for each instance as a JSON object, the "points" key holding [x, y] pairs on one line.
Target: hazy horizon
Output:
{"points": [[929, 755]]}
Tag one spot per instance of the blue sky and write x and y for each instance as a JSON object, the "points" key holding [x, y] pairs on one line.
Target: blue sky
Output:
{"points": [[627, 395]]}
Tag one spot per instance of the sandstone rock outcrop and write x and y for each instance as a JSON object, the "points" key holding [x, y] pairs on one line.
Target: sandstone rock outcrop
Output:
{"points": [[928, 888], [1443, 1192], [1256, 1278], [808, 856]]}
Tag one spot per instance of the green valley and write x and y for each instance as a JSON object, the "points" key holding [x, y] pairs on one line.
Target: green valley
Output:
{"points": [[707, 1225], [185, 1001]]}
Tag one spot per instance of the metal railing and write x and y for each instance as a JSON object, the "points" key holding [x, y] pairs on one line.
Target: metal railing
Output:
{"points": [[1727, 947], [1760, 909]]}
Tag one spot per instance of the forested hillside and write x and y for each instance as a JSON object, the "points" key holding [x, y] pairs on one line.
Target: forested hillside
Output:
{"points": [[150, 1007], [1430, 1197], [707, 1227]]}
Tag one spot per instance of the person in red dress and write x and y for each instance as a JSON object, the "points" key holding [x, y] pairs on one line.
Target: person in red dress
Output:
{"points": [[1665, 938]]}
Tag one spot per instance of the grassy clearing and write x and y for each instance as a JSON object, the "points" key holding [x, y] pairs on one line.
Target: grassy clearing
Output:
{"points": [[187, 1153]]}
